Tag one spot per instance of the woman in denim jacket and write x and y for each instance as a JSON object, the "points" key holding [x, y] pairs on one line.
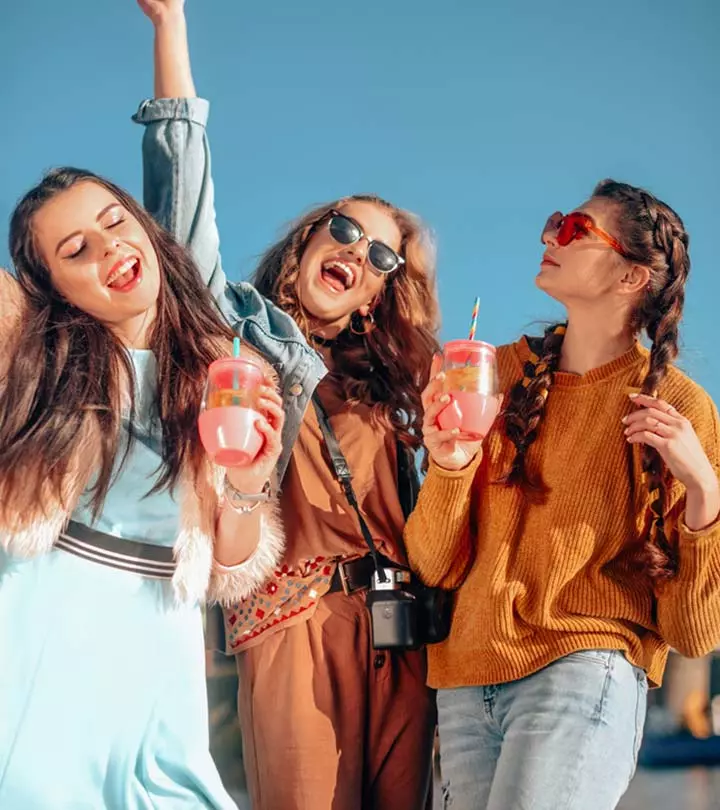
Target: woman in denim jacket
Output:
{"points": [[327, 721]]}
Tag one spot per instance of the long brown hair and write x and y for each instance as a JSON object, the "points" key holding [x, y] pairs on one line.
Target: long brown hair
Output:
{"points": [[653, 235], [387, 366], [70, 373]]}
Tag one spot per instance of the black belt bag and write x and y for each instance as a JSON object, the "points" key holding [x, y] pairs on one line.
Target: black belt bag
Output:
{"points": [[405, 614]]}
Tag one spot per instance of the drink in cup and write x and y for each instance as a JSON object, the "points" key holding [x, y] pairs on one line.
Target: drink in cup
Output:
{"points": [[470, 368], [229, 412]]}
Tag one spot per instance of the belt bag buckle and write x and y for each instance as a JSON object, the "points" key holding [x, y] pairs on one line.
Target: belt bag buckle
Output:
{"points": [[347, 587]]}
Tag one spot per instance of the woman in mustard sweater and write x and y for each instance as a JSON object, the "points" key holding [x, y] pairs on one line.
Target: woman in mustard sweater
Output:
{"points": [[582, 536]]}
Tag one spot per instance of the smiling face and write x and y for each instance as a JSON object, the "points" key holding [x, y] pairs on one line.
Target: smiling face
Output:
{"points": [[100, 258], [338, 279]]}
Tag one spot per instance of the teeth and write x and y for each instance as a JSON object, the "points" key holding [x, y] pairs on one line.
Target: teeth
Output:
{"points": [[124, 267], [350, 276]]}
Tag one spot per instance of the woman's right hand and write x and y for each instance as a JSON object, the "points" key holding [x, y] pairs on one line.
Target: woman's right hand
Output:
{"points": [[449, 449], [159, 11]]}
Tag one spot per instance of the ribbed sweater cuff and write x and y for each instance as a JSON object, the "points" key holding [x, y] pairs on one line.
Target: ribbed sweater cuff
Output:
{"points": [[698, 548]]}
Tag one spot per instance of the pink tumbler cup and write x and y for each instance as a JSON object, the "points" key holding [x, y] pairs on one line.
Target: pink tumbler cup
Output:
{"points": [[470, 368], [229, 412]]}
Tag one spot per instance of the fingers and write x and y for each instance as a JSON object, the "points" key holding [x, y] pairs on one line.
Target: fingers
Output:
{"points": [[647, 423], [272, 446], [649, 438], [433, 410], [272, 407], [436, 365], [452, 436], [645, 401], [438, 437], [432, 389], [270, 391], [651, 416]]}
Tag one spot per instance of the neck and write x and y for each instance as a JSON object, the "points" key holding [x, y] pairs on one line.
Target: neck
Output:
{"points": [[329, 331], [591, 342], [325, 351], [134, 332]]}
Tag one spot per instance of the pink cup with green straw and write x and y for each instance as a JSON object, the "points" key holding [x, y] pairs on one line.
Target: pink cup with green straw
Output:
{"points": [[227, 422], [471, 382]]}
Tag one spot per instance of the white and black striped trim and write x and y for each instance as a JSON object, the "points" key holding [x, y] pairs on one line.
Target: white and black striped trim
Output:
{"points": [[155, 562]]}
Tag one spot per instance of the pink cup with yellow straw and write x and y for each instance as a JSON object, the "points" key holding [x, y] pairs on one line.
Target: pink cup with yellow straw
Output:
{"points": [[471, 382]]}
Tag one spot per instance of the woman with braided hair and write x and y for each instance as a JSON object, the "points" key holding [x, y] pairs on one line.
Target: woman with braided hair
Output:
{"points": [[582, 536]]}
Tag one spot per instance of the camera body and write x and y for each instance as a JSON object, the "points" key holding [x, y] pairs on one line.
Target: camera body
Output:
{"points": [[404, 614], [393, 612]]}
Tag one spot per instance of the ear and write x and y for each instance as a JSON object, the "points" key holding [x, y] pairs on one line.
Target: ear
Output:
{"points": [[635, 279], [370, 307]]}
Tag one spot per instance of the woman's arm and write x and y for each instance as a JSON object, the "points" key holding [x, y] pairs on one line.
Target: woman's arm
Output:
{"points": [[177, 181], [688, 604], [249, 540]]}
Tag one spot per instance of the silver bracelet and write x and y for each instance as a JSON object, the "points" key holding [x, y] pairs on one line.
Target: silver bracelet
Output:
{"points": [[242, 502], [242, 510]]}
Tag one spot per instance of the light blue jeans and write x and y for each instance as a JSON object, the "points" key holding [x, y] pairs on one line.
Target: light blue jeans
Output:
{"points": [[564, 738]]}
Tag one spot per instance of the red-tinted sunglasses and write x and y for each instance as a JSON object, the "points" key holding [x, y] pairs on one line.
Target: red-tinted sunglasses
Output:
{"points": [[577, 225]]}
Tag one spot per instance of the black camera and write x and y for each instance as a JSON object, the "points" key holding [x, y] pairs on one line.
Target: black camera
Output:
{"points": [[404, 613]]}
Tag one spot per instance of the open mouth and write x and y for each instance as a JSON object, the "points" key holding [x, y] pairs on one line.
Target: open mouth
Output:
{"points": [[337, 275], [125, 275]]}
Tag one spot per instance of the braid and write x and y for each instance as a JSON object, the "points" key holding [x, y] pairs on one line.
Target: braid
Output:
{"points": [[653, 235], [527, 402], [662, 328]]}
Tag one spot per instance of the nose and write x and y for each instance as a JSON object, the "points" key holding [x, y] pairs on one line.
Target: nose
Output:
{"points": [[111, 245], [358, 250], [549, 232]]}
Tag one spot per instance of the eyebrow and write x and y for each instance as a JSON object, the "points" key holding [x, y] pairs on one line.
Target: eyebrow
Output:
{"points": [[79, 233]]}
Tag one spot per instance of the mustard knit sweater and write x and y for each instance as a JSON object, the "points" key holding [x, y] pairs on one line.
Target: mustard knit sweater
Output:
{"points": [[537, 581]]}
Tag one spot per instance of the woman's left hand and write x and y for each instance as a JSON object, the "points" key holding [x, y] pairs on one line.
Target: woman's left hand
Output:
{"points": [[657, 424], [252, 478]]}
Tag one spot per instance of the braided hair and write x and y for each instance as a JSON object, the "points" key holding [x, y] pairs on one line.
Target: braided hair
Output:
{"points": [[653, 235]]}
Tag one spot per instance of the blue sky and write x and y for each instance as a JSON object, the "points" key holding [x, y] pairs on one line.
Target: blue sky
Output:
{"points": [[481, 117]]}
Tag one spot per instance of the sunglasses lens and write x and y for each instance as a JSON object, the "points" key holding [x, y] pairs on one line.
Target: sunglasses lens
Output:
{"points": [[344, 230], [382, 258], [565, 232], [572, 227]]}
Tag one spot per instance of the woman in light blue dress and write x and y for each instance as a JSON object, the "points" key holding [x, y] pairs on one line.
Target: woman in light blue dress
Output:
{"points": [[114, 526]]}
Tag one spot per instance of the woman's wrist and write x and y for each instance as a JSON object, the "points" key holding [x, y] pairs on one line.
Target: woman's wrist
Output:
{"points": [[169, 20]]}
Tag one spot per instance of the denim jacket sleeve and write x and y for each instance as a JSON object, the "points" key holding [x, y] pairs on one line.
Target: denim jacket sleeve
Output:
{"points": [[179, 193], [177, 182]]}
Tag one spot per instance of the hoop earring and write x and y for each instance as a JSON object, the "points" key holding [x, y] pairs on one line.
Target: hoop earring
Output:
{"points": [[367, 323]]}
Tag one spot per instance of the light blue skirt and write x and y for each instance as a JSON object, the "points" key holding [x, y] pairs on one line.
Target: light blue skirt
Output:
{"points": [[103, 700]]}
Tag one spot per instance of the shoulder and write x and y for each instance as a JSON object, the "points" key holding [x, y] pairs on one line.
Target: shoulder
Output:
{"points": [[13, 312], [511, 358], [693, 402], [12, 300]]}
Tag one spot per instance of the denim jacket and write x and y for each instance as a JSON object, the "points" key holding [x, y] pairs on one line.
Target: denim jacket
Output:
{"points": [[178, 191]]}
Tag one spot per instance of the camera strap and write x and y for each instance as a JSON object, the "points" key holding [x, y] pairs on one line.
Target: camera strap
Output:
{"points": [[344, 476]]}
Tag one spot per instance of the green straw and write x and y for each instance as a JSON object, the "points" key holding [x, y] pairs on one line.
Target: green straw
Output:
{"points": [[236, 379]]}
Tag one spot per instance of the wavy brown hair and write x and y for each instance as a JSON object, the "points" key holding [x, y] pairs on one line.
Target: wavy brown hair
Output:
{"points": [[70, 373], [653, 235], [388, 366]]}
